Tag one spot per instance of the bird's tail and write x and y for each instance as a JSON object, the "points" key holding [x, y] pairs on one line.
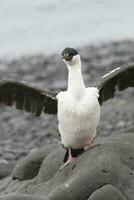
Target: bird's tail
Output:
{"points": [[75, 153]]}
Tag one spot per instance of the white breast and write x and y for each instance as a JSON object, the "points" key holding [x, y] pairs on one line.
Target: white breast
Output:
{"points": [[78, 118]]}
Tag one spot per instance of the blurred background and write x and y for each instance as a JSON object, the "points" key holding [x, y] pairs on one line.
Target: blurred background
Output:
{"points": [[38, 26], [32, 35]]}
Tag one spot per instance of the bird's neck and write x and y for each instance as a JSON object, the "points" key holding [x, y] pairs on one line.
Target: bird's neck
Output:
{"points": [[75, 80]]}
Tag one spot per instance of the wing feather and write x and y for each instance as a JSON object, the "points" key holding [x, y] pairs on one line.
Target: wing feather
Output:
{"points": [[27, 97], [120, 78]]}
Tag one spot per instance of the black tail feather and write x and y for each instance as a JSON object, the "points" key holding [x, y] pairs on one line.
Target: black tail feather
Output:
{"points": [[75, 153]]}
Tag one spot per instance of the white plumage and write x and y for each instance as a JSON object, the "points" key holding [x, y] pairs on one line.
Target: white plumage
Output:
{"points": [[78, 109]]}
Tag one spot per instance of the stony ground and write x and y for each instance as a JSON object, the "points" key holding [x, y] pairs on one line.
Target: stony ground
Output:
{"points": [[21, 133]]}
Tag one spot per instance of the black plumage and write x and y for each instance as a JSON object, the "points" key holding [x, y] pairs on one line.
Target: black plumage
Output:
{"points": [[27, 97], [75, 153], [120, 78], [35, 100]]}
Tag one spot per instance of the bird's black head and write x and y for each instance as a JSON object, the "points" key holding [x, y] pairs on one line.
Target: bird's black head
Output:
{"points": [[68, 53]]}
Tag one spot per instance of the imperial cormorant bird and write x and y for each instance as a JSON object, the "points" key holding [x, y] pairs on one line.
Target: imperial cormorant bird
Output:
{"points": [[78, 107]]}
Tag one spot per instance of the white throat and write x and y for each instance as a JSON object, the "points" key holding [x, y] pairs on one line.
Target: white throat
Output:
{"points": [[75, 80]]}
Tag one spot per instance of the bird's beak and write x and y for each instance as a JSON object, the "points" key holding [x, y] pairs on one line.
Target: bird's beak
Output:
{"points": [[67, 57]]}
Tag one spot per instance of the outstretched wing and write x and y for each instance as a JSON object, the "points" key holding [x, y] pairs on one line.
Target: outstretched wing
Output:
{"points": [[121, 78], [27, 97]]}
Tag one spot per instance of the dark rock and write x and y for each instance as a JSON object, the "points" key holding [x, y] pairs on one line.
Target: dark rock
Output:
{"points": [[103, 172], [21, 197], [29, 166], [108, 192], [6, 168]]}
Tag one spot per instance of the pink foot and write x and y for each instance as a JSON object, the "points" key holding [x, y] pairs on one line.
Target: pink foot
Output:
{"points": [[90, 145], [70, 159]]}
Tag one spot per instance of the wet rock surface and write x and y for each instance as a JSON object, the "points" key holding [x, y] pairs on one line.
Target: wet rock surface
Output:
{"points": [[22, 133]]}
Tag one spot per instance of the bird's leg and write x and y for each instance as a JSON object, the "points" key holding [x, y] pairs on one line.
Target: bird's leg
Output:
{"points": [[89, 145], [70, 159]]}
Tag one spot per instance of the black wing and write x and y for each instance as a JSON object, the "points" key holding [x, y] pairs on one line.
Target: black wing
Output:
{"points": [[120, 78], [28, 98]]}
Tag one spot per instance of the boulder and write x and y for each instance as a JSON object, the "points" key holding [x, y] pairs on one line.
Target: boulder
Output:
{"points": [[103, 172]]}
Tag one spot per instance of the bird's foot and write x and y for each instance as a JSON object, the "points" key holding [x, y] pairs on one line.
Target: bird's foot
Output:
{"points": [[90, 146], [67, 163]]}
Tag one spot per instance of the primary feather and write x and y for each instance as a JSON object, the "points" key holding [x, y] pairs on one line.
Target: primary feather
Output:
{"points": [[121, 78], [27, 97]]}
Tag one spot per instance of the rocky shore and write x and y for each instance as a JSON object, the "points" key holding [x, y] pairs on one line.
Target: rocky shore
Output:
{"points": [[103, 172], [22, 133]]}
